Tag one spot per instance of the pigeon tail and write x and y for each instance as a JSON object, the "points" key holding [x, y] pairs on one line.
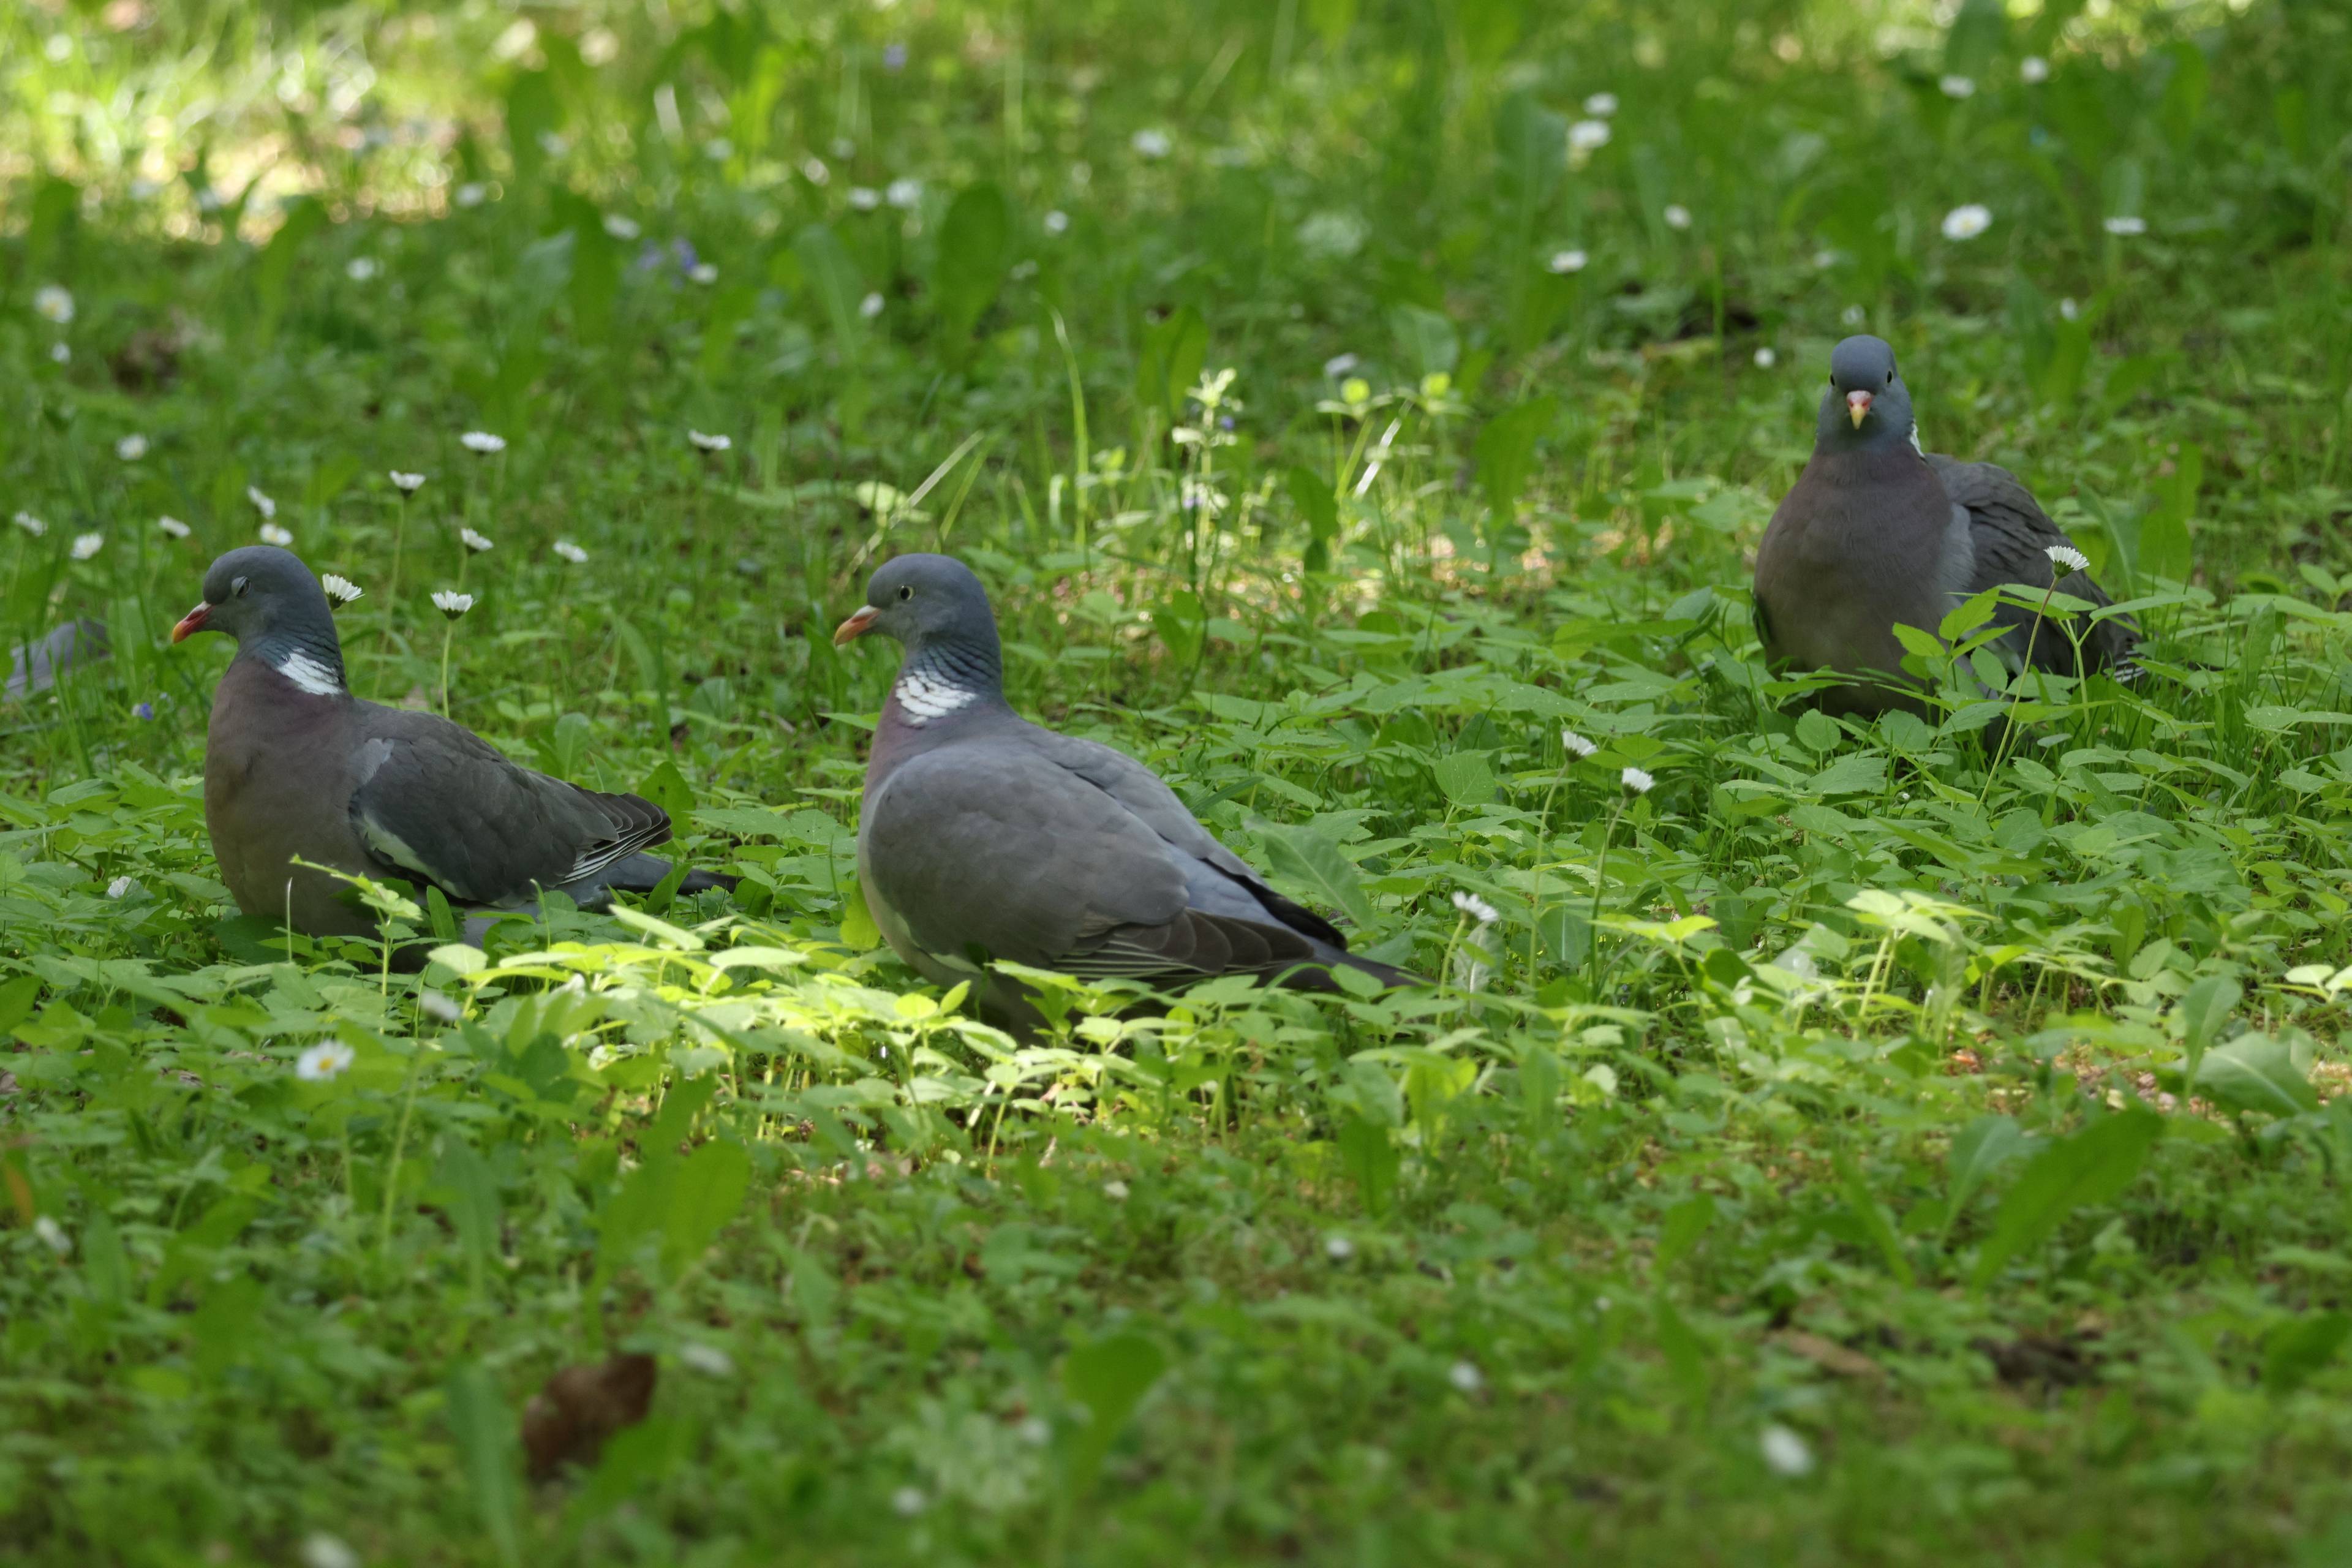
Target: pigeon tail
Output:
{"points": [[642, 873]]}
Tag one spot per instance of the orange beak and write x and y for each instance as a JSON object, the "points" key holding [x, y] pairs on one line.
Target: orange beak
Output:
{"points": [[1857, 407], [856, 625], [192, 622]]}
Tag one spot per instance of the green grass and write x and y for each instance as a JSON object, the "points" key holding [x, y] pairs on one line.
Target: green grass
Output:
{"points": [[1946, 1118]]}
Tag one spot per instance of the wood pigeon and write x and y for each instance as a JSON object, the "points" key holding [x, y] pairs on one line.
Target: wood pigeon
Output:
{"points": [[984, 836], [1875, 532], [297, 766], [35, 667]]}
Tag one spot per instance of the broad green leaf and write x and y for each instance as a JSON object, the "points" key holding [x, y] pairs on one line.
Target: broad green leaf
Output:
{"points": [[2300, 1347], [1465, 777], [2255, 1072], [1182, 624], [1372, 1162], [1427, 337], [1682, 1226], [858, 928], [973, 240], [2207, 1005], [1174, 350], [1109, 1375], [666, 788], [1304, 857], [2093, 1167], [484, 1431], [1979, 1149], [706, 1193], [1313, 497], [832, 278], [1504, 452]]}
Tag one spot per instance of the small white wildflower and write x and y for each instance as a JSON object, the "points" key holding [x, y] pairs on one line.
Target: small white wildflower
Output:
{"points": [[1639, 782], [709, 443], [2068, 557], [30, 524], [1853, 315], [60, 353], [132, 447], [1766, 359], [54, 304], [173, 527], [432, 1004], [1601, 105], [1566, 261], [1152, 144], [1115, 1190], [272, 533], [1824, 259], [361, 269], [908, 1502], [708, 1359], [321, 1550], [406, 484], [328, 1058], [1339, 366], [261, 503], [2126, 225], [452, 604], [1057, 222], [2069, 308], [1575, 744], [1588, 135], [2034, 70], [1465, 1376], [1476, 908], [1785, 1453], [473, 540], [865, 198], [482, 441], [621, 227], [814, 171], [1968, 221], [844, 148], [340, 590], [1679, 217], [1036, 1431], [86, 545], [904, 194], [472, 193], [121, 887], [870, 306], [703, 272], [53, 1236], [1956, 87], [1339, 1248], [572, 552]]}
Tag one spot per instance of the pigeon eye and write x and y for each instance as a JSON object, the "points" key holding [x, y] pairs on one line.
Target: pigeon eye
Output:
{"points": [[238, 587], [1890, 378], [906, 593]]}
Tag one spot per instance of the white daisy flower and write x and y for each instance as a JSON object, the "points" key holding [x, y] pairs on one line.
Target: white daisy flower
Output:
{"points": [[1036, 1431], [865, 198], [328, 1058], [1339, 366], [272, 533], [1152, 144], [1464, 1375], [433, 1004], [86, 545], [1637, 781], [60, 353], [1785, 1453], [1679, 217], [844, 149], [2126, 225], [361, 269], [1567, 261], [54, 304], [1853, 315], [173, 527], [321, 1550], [1057, 222], [2034, 70], [340, 590], [814, 171], [261, 503], [703, 272], [1587, 136], [709, 443], [473, 540], [908, 1502], [406, 484], [1967, 222], [904, 193], [1601, 105], [2069, 308], [132, 447], [122, 887], [1823, 260], [572, 552], [1766, 359], [1476, 908], [708, 1360], [1956, 87], [621, 227], [1576, 745], [1339, 1248], [870, 306], [472, 193], [2069, 558], [52, 1235], [451, 604], [482, 441], [1116, 1191]]}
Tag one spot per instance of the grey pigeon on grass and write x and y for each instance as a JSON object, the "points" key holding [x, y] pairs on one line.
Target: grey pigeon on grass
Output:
{"points": [[984, 836], [35, 667], [296, 766], [1876, 532]]}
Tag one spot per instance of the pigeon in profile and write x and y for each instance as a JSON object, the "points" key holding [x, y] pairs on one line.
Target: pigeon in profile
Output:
{"points": [[1877, 533], [984, 836], [296, 767]]}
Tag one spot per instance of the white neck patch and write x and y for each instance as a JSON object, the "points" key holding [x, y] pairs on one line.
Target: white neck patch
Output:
{"points": [[309, 675], [922, 698]]}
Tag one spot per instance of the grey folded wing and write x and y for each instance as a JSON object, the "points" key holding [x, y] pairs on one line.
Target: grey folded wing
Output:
{"points": [[2012, 538], [435, 802]]}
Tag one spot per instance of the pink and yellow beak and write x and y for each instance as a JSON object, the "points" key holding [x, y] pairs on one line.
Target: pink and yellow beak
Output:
{"points": [[191, 623], [1857, 407], [856, 625]]}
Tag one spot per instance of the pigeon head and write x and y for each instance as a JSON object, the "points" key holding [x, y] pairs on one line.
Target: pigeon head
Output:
{"points": [[1866, 403], [924, 602], [268, 601]]}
